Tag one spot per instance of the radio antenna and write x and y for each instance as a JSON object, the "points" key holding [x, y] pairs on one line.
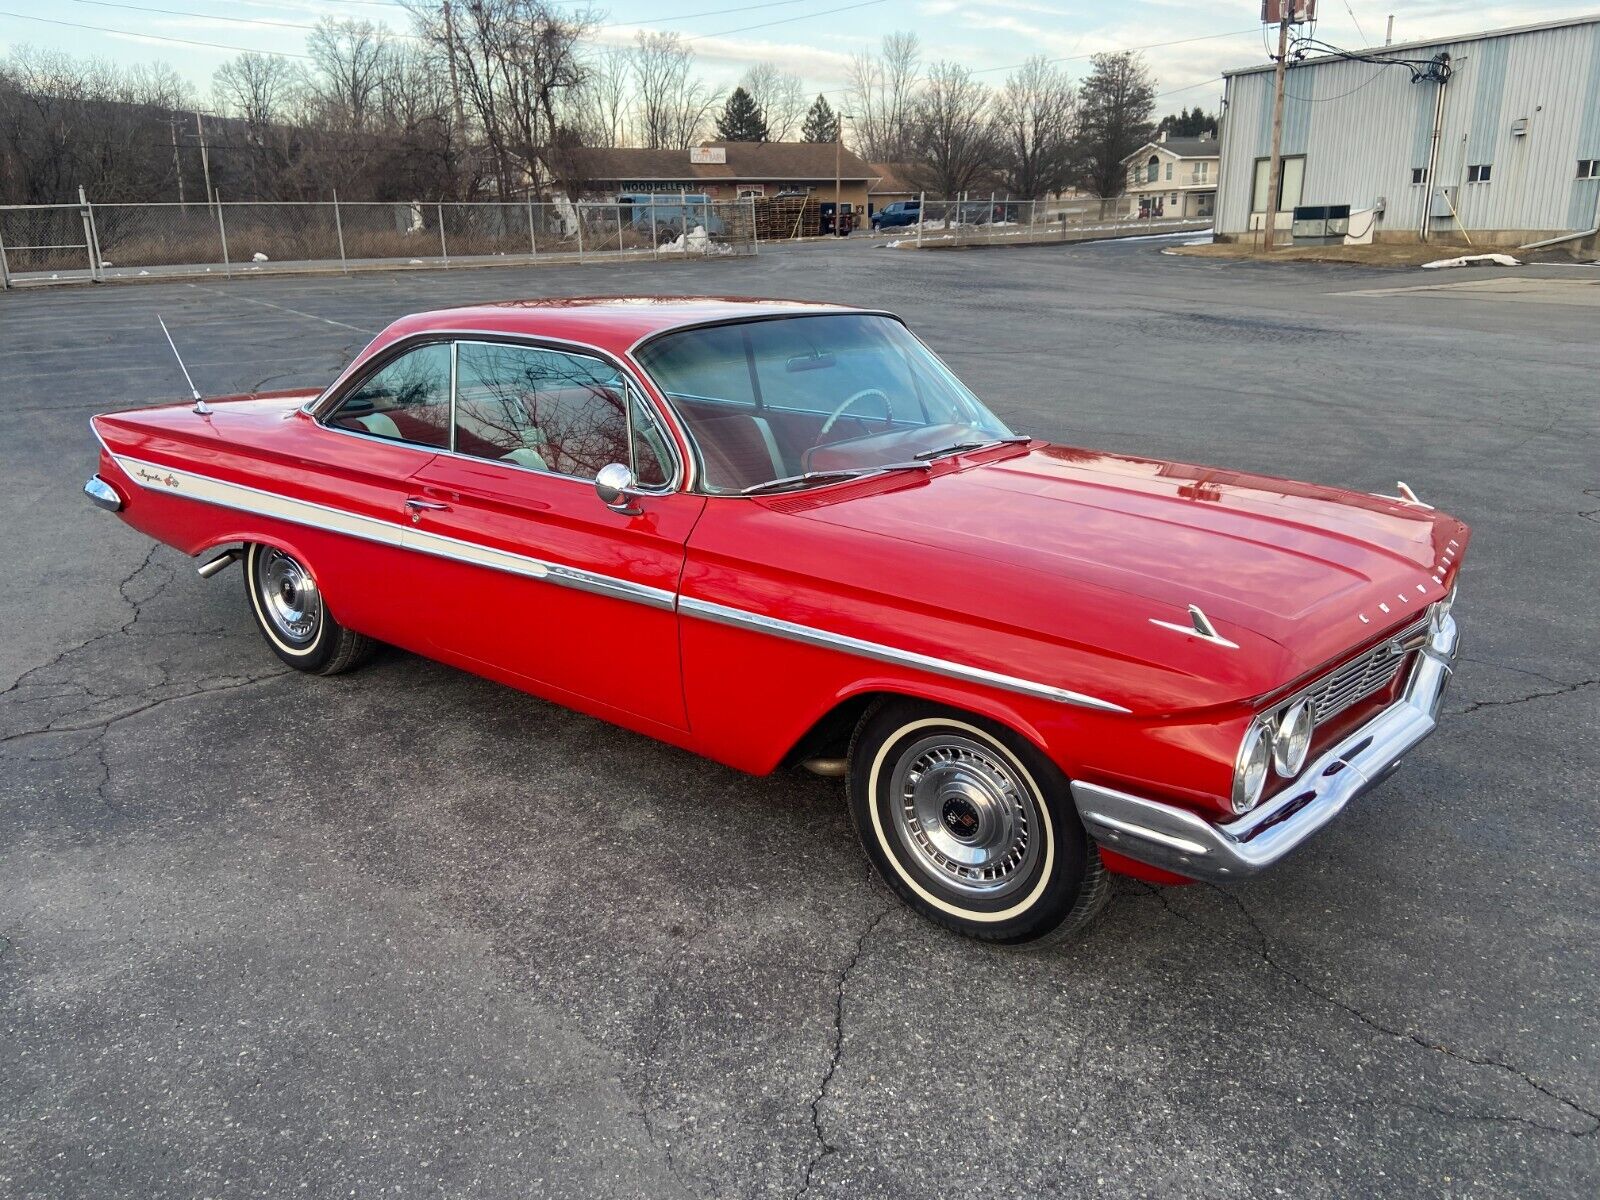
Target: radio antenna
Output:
{"points": [[200, 406]]}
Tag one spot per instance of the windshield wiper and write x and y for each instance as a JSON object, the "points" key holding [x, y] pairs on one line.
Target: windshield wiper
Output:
{"points": [[959, 447], [809, 477]]}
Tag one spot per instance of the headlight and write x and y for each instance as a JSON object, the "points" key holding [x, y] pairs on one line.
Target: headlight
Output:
{"points": [[1250, 773], [1292, 740]]}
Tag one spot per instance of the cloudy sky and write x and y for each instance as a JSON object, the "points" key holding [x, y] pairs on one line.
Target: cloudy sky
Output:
{"points": [[1187, 44]]}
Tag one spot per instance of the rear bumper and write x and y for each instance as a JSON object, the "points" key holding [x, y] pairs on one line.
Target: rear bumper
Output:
{"points": [[1184, 842], [102, 494]]}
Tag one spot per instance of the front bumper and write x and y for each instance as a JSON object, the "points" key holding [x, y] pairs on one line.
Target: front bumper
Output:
{"points": [[1184, 842]]}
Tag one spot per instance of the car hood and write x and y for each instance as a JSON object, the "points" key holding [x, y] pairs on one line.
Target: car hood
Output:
{"points": [[1297, 575]]}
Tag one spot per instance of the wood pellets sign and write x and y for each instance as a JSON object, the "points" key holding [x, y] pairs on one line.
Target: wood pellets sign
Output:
{"points": [[704, 155], [1296, 12]]}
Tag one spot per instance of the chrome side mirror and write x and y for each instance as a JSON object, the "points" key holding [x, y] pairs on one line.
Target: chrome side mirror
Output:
{"points": [[615, 485]]}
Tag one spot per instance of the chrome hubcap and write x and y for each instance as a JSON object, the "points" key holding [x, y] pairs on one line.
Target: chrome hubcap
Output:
{"points": [[289, 597], [965, 815]]}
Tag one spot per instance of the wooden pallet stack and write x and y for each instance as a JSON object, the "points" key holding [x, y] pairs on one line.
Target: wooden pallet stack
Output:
{"points": [[779, 218]]}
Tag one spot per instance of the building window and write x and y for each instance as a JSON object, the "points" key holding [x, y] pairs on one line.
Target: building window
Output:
{"points": [[1202, 170], [1589, 168], [1419, 176], [1294, 173], [1152, 169], [1172, 199], [1169, 172], [1479, 172]]}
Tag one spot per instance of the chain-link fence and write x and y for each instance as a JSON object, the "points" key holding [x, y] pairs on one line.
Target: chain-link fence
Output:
{"points": [[991, 220], [59, 243]]}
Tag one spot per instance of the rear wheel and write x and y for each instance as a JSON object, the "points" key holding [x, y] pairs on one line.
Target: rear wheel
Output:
{"points": [[972, 826], [289, 610]]}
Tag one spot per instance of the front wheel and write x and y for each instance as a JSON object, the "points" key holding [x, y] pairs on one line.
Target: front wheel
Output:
{"points": [[972, 826], [289, 610]]}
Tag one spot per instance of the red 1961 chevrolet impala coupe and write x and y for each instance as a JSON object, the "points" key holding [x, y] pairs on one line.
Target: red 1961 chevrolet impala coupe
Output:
{"points": [[779, 533]]}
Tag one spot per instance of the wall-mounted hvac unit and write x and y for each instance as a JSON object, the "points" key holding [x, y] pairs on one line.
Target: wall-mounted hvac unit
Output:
{"points": [[1321, 224], [1442, 202]]}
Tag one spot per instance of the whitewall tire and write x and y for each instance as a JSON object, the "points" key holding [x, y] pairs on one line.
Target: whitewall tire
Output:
{"points": [[972, 825], [292, 615]]}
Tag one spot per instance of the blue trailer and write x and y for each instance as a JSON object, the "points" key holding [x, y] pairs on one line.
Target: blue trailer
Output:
{"points": [[671, 213]]}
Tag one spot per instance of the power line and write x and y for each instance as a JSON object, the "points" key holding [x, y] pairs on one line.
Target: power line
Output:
{"points": [[715, 12], [153, 37], [177, 12], [787, 20]]}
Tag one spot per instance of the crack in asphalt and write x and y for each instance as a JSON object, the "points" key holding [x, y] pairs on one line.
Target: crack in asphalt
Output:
{"points": [[824, 1146], [1446, 1114], [1565, 690], [1264, 951], [101, 727], [122, 590]]}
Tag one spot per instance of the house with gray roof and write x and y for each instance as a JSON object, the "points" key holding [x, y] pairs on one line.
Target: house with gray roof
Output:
{"points": [[1173, 177]]}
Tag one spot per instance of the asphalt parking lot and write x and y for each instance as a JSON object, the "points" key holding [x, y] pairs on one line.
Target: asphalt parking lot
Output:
{"points": [[406, 932]]}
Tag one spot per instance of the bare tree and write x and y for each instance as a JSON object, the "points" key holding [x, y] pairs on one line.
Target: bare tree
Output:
{"points": [[780, 96], [347, 72], [1036, 128], [953, 142], [600, 107], [67, 121], [1116, 100], [882, 94], [258, 88], [517, 62], [673, 107]]}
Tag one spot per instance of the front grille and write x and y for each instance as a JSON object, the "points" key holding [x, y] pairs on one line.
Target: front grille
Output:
{"points": [[1364, 676]]}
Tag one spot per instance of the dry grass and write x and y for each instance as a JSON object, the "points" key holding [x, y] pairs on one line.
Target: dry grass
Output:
{"points": [[1381, 254]]}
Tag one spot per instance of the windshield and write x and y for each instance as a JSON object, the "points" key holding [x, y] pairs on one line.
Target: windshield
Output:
{"points": [[774, 400]]}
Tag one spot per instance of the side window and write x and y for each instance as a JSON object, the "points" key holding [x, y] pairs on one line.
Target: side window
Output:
{"points": [[408, 400], [552, 411]]}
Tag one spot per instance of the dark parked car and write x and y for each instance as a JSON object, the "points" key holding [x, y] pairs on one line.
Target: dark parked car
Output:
{"points": [[901, 212]]}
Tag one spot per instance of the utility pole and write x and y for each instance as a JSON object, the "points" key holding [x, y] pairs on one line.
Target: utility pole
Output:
{"points": [[177, 162], [205, 156], [838, 154], [1275, 182], [455, 79]]}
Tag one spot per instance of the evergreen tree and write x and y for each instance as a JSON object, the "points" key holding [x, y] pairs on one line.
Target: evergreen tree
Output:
{"points": [[741, 120], [822, 123], [1114, 103], [1188, 123]]}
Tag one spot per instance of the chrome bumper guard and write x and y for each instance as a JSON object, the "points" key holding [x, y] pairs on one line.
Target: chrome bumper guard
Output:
{"points": [[1184, 842], [102, 494]]}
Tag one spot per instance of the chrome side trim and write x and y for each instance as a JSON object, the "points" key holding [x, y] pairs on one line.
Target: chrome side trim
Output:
{"points": [[740, 618], [102, 495], [243, 498], [1176, 839]]}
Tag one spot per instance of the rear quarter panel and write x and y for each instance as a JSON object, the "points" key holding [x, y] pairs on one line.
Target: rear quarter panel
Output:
{"points": [[153, 456]]}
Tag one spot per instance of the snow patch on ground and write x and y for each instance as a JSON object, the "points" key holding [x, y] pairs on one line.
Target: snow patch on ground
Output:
{"points": [[1473, 260]]}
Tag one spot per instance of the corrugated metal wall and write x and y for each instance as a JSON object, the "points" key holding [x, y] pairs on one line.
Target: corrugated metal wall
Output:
{"points": [[1364, 127]]}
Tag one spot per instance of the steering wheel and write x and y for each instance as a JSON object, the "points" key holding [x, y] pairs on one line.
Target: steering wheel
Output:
{"points": [[833, 417]]}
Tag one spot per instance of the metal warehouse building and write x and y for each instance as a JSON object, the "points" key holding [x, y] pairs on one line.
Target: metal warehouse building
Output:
{"points": [[1505, 150]]}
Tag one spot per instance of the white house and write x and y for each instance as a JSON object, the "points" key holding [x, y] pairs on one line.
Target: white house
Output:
{"points": [[1173, 177]]}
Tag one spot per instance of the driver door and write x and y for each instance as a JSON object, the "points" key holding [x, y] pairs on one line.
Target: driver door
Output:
{"points": [[536, 578]]}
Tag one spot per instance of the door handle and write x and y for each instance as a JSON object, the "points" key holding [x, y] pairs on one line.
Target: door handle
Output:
{"points": [[418, 507]]}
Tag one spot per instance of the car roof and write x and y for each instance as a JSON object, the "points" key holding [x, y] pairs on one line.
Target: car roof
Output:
{"points": [[610, 323]]}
